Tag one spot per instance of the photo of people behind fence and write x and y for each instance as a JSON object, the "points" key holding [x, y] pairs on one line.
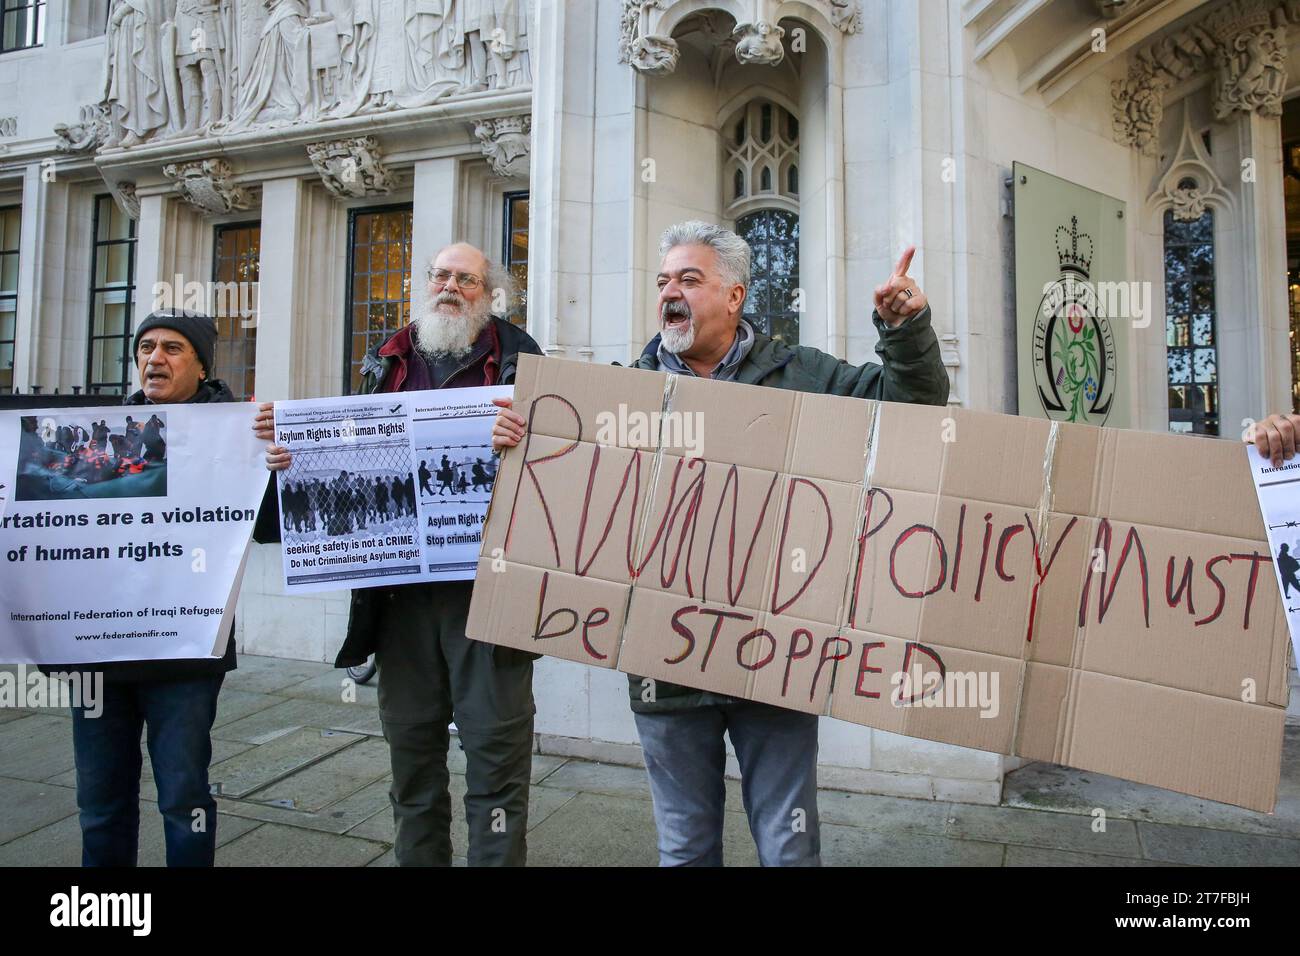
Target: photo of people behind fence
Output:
{"points": [[332, 504], [461, 472], [99, 453]]}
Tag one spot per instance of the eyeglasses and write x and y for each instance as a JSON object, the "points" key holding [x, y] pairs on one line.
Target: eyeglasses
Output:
{"points": [[464, 280]]}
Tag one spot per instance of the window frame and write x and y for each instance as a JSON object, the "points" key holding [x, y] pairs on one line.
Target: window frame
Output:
{"points": [[217, 230], [765, 311], [349, 305], [39, 10], [1201, 423], [11, 296], [508, 199], [128, 288]]}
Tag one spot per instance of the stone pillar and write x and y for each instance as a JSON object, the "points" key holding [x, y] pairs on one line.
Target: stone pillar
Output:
{"points": [[1264, 225], [435, 218], [150, 253], [279, 287], [31, 249]]}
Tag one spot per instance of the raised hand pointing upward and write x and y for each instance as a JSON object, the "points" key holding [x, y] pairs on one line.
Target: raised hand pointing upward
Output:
{"points": [[900, 297]]}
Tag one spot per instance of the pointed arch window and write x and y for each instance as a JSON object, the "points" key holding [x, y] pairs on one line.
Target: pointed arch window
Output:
{"points": [[1191, 333], [761, 159]]}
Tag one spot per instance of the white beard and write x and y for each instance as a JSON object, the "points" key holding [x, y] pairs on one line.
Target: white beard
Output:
{"points": [[442, 329], [678, 341]]}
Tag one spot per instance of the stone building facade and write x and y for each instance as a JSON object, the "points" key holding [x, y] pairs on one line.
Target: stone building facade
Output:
{"points": [[293, 163]]}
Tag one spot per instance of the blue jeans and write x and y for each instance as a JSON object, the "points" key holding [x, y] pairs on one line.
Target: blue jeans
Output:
{"points": [[686, 758], [179, 716]]}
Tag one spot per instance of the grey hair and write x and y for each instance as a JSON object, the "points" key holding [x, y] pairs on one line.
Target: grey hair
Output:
{"points": [[499, 277], [733, 251]]}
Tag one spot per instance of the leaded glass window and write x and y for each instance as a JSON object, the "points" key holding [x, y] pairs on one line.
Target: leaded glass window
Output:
{"points": [[235, 270], [379, 293], [773, 301], [761, 159], [515, 253], [1191, 335]]}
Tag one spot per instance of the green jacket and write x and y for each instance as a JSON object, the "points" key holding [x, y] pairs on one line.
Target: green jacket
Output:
{"points": [[912, 371]]}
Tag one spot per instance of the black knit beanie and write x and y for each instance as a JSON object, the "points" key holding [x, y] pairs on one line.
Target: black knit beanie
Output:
{"points": [[200, 329]]}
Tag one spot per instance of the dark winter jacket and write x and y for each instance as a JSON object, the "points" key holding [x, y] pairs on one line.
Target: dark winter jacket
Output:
{"points": [[912, 372]]}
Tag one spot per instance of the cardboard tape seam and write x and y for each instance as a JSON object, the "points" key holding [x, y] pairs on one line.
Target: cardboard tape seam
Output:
{"points": [[1043, 516], [647, 508], [870, 444]]}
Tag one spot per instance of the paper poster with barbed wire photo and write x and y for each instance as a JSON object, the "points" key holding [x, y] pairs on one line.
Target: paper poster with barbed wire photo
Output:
{"points": [[384, 489], [455, 471], [1279, 502]]}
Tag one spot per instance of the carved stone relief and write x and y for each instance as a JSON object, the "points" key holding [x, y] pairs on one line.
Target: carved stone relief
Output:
{"points": [[506, 142], [206, 184], [1242, 42], [351, 168], [189, 68], [648, 49]]}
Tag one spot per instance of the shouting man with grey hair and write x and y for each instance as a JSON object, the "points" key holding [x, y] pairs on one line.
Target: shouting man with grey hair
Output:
{"points": [[429, 672], [703, 279]]}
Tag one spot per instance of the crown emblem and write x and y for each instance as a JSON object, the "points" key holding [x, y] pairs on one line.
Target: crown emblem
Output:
{"points": [[1074, 248]]}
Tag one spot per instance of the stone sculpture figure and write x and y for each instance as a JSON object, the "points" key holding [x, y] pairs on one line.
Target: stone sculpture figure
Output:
{"points": [[278, 87], [134, 81], [199, 47], [503, 29], [432, 66], [359, 53], [488, 41]]}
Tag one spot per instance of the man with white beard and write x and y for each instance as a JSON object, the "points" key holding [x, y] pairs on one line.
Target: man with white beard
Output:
{"points": [[429, 672]]}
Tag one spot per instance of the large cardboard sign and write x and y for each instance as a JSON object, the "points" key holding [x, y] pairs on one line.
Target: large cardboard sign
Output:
{"points": [[126, 532], [1016, 585]]}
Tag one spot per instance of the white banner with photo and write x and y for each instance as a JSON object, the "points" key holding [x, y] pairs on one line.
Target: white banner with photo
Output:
{"points": [[126, 531], [385, 489], [1278, 490]]}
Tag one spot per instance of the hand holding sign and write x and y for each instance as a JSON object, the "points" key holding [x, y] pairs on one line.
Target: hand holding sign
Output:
{"points": [[900, 297], [278, 458], [1275, 437]]}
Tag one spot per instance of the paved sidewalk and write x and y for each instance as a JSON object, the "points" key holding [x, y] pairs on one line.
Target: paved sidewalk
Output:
{"points": [[304, 780]]}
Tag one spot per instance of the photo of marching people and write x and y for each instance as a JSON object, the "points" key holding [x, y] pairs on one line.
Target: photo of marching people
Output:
{"points": [[463, 472], [336, 502], [104, 454]]}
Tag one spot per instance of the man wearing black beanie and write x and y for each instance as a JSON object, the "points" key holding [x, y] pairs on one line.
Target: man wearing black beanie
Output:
{"points": [[173, 352], [176, 699]]}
